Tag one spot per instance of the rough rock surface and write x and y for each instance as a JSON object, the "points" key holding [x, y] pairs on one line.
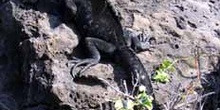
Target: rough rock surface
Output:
{"points": [[36, 45]]}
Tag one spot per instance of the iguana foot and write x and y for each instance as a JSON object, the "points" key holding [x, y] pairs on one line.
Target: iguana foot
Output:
{"points": [[75, 60], [78, 62], [139, 41], [94, 46]]}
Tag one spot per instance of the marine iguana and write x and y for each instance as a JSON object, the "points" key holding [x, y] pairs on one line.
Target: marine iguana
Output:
{"points": [[97, 22]]}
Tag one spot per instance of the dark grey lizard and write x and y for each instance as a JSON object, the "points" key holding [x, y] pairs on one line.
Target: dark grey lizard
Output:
{"points": [[103, 32]]}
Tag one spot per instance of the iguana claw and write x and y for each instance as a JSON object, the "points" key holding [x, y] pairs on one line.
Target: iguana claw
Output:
{"points": [[78, 62]]}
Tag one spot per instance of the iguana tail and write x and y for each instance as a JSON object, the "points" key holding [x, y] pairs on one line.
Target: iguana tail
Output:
{"points": [[129, 60]]}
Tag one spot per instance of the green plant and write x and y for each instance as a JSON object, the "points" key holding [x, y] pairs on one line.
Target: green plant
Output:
{"points": [[163, 70], [141, 101]]}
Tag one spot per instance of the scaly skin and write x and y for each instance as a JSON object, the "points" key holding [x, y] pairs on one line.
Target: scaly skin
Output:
{"points": [[102, 31]]}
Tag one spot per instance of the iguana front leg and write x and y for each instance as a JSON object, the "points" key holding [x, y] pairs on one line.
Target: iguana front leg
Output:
{"points": [[94, 45], [139, 41]]}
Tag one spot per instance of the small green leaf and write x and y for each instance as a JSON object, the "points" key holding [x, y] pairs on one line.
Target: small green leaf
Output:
{"points": [[161, 76], [130, 105], [165, 64], [145, 100], [124, 104], [162, 72], [118, 104]]}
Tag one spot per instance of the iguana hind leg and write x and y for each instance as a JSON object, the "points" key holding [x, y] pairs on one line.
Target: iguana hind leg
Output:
{"points": [[94, 45]]}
